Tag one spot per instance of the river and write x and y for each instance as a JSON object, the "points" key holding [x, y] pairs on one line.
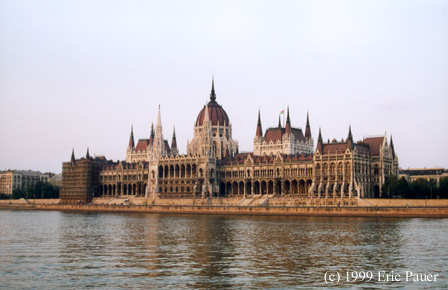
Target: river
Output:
{"points": [[61, 250]]}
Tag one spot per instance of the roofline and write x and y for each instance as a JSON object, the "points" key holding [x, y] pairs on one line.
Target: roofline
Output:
{"points": [[374, 136]]}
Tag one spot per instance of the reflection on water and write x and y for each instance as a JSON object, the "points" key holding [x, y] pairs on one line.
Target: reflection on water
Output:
{"points": [[54, 250]]}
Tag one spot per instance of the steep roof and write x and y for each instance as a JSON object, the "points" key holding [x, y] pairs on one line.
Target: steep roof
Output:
{"points": [[273, 134], [298, 134], [374, 144], [142, 145], [335, 148]]}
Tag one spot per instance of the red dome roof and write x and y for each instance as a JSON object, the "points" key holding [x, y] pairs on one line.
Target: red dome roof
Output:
{"points": [[215, 112]]}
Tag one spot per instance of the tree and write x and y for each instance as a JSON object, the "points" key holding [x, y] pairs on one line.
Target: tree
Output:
{"points": [[421, 188], [18, 193], [442, 191], [403, 188], [39, 190], [395, 188]]}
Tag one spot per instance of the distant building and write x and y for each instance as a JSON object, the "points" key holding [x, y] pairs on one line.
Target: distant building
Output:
{"points": [[429, 174], [14, 179], [284, 162], [56, 180]]}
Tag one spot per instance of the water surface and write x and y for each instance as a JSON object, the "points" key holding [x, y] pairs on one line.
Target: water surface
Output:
{"points": [[54, 250]]}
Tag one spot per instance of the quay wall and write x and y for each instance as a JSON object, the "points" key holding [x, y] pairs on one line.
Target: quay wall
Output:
{"points": [[234, 206], [341, 211], [387, 202]]}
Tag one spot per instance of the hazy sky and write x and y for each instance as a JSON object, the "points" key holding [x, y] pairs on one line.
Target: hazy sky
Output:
{"points": [[78, 74]]}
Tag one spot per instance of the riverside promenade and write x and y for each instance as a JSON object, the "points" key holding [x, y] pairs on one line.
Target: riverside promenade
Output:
{"points": [[435, 208]]}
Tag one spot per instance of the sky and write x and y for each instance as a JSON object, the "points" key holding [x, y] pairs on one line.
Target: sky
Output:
{"points": [[79, 74]]}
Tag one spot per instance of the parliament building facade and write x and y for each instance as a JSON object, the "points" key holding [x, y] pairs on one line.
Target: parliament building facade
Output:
{"points": [[284, 162]]}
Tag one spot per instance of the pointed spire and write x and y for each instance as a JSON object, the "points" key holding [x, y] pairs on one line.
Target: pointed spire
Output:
{"points": [[392, 146], [159, 119], [350, 137], [279, 122], [72, 159], [212, 94], [288, 123], [307, 129], [131, 139], [159, 148], [151, 136], [259, 132], [320, 142], [206, 117], [173, 140], [87, 154]]}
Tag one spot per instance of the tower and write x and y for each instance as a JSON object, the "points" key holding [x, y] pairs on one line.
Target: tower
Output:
{"points": [[174, 150]]}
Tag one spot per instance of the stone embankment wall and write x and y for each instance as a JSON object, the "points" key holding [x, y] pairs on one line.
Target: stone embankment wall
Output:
{"points": [[249, 210], [29, 201], [380, 202], [255, 206]]}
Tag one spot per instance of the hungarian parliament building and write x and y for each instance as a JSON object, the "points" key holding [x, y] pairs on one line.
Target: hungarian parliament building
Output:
{"points": [[284, 162]]}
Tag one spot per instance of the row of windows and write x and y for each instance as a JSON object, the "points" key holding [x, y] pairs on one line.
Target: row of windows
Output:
{"points": [[286, 172]]}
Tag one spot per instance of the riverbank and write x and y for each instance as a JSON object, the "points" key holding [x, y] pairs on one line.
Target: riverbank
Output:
{"points": [[235, 206]]}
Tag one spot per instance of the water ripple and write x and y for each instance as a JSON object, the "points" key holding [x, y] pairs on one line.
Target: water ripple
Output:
{"points": [[55, 250]]}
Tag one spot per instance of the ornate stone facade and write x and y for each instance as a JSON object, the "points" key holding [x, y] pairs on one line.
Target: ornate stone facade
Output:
{"points": [[284, 162]]}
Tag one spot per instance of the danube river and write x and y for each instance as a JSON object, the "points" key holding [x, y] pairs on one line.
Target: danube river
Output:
{"points": [[60, 250]]}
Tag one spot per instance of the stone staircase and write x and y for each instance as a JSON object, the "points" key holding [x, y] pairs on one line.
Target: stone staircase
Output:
{"points": [[257, 200]]}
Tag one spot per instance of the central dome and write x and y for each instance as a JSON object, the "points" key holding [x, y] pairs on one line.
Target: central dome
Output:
{"points": [[216, 113]]}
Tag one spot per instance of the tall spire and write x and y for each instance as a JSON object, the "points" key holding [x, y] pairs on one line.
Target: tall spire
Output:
{"points": [[173, 140], [159, 119], [350, 137], [174, 143], [131, 139], [392, 146], [151, 136], [207, 133], [320, 142], [87, 154], [307, 129], [72, 159], [279, 122], [159, 145], [212, 94], [259, 132], [206, 117], [288, 123]]}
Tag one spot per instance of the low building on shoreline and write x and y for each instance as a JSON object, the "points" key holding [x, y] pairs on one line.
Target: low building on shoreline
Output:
{"points": [[20, 179], [430, 174], [284, 162]]}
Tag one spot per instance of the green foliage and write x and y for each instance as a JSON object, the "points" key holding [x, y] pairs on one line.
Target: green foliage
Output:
{"points": [[38, 191], [18, 193], [443, 188], [396, 188], [4, 196], [420, 188]]}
